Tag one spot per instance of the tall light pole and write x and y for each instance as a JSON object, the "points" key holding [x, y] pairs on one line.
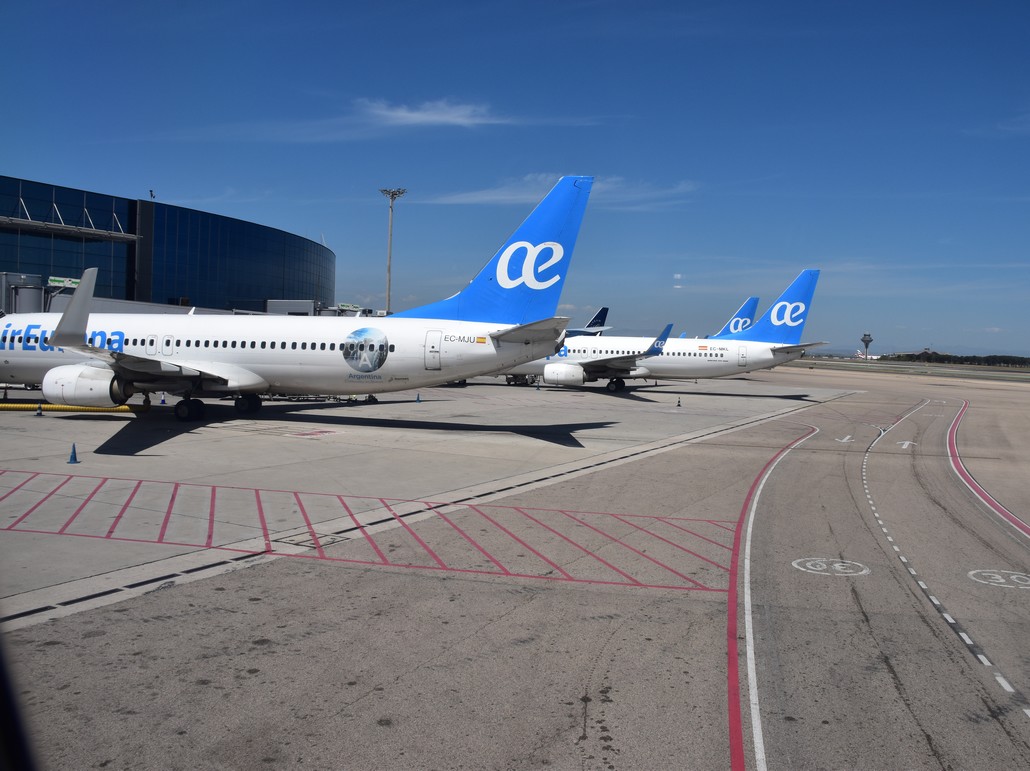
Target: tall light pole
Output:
{"points": [[393, 194]]}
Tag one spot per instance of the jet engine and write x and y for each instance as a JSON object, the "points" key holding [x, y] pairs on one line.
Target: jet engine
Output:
{"points": [[564, 374], [84, 385]]}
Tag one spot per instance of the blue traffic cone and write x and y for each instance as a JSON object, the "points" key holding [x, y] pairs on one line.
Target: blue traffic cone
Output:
{"points": [[163, 398], [74, 458], [39, 410], [418, 398]]}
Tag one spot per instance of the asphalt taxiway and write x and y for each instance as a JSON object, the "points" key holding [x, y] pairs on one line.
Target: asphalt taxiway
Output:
{"points": [[801, 568]]}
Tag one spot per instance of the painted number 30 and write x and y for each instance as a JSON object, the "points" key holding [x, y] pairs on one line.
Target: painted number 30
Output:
{"points": [[1007, 579]]}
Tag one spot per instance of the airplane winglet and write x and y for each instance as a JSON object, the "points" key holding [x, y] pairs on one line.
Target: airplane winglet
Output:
{"points": [[658, 345], [71, 329]]}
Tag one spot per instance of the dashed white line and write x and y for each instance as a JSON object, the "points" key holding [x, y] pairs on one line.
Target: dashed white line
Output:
{"points": [[984, 660], [966, 638], [1004, 684]]}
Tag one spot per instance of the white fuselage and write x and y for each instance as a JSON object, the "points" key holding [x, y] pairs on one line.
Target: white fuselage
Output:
{"points": [[681, 358], [275, 354]]}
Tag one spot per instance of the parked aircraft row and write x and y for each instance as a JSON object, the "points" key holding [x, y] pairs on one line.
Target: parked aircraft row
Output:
{"points": [[774, 339], [503, 319]]}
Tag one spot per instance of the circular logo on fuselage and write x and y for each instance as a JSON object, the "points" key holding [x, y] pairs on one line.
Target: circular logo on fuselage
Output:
{"points": [[366, 349]]}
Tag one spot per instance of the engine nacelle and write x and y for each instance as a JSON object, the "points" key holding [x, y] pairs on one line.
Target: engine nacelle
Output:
{"points": [[564, 374], [84, 385]]}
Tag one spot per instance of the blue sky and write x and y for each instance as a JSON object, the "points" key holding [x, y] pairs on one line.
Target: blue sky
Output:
{"points": [[733, 144]]}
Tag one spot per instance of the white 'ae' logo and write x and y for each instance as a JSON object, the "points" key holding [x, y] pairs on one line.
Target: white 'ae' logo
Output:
{"points": [[737, 324], [529, 266], [787, 313]]}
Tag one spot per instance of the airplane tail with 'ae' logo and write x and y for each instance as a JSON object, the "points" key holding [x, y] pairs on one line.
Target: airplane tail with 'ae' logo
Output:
{"points": [[523, 281], [784, 321]]}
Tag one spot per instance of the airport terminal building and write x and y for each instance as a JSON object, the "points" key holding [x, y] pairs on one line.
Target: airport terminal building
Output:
{"points": [[150, 252]]}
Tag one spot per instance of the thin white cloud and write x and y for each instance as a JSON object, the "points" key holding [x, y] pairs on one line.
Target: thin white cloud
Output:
{"points": [[441, 112], [608, 193], [365, 119], [1018, 125]]}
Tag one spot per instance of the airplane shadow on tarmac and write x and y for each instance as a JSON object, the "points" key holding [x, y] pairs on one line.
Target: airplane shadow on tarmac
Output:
{"points": [[145, 432]]}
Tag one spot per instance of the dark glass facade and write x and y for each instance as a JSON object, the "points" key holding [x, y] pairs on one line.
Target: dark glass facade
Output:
{"points": [[154, 252]]}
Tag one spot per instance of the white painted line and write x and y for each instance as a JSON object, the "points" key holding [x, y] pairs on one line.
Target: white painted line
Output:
{"points": [[948, 618], [965, 638], [983, 660], [934, 600], [922, 585], [897, 548], [749, 633], [889, 539], [1027, 711], [1004, 684], [913, 572], [884, 529], [904, 558]]}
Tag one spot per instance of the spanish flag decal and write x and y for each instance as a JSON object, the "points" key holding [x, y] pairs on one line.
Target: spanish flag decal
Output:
{"points": [[480, 339]]}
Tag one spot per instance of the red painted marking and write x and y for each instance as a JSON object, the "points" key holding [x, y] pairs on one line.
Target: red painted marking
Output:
{"points": [[414, 535], [38, 503], [520, 541], [610, 537], [19, 486], [960, 469], [676, 546], [479, 548], [261, 517], [695, 534], [81, 507], [364, 531], [307, 521], [168, 513], [211, 520], [736, 726], [123, 509]]}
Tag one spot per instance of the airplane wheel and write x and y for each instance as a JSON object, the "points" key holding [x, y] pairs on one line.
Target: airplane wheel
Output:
{"points": [[197, 409], [619, 384], [182, 410], [247, 403], [613, 385]]}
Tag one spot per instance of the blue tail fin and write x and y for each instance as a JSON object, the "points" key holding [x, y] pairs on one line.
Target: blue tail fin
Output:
{"points": [[599, 319], [523, 281], [785, 320], [741, 320]]}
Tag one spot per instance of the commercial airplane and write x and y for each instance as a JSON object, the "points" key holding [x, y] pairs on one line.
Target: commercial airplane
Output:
{"points": [[594, 327], [739, 321], [504, 316], [774, 339]]}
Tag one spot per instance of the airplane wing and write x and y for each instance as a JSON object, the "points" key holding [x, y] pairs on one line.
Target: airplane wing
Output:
{"points": [[626, 362], [71, 334]]}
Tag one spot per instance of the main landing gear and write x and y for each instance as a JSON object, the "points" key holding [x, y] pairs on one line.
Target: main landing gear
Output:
{"points": [[615, 384], [247, 404], [189, 409]]}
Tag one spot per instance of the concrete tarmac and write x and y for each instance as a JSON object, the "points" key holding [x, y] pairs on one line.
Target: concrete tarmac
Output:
{"points": [[801, 568]]}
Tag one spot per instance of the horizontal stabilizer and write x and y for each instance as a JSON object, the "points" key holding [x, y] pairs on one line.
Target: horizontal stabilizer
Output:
{"points": [[538, 331], [795, 348]]}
